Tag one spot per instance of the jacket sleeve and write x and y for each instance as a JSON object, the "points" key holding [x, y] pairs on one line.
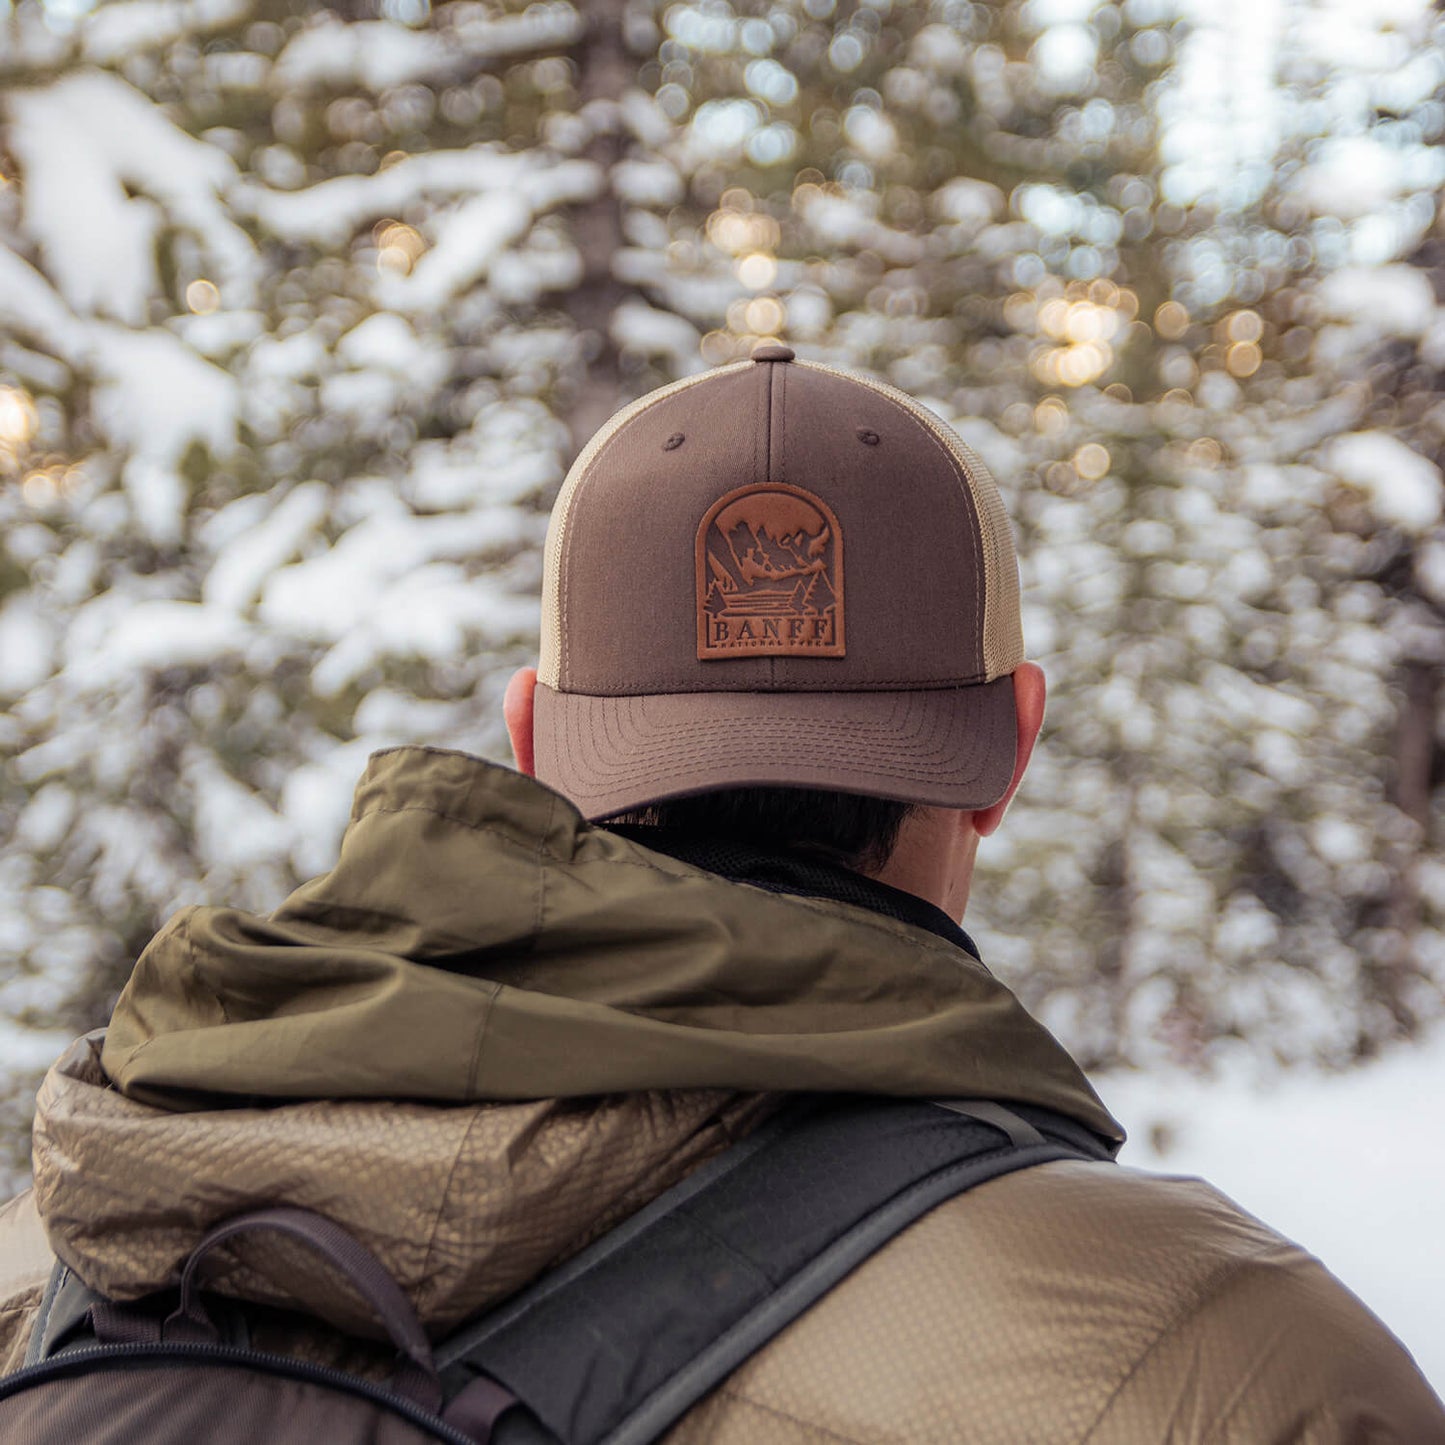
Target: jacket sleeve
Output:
{"points": [[1275, 1350]]}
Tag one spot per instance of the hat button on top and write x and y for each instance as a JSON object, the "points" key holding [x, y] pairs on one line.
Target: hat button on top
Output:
{"points": [[771, 351]]}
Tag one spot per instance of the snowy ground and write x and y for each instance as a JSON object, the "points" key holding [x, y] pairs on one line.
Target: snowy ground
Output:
{"points": [[1350, 1166]]}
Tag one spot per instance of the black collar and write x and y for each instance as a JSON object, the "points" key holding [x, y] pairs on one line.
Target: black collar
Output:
{"points": [[794, 873]]}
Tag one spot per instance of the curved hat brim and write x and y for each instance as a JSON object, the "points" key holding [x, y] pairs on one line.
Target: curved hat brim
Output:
{"points": [[952, 747]]}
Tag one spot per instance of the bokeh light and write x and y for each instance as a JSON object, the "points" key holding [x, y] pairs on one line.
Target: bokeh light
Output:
{"points": [[757, 270], [399, 247], [203, 298], [1171, 320], [1091, 461]]}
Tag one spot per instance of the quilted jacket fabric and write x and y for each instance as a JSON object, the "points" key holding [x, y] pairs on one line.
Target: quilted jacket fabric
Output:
{"points": [[493, 1031]]}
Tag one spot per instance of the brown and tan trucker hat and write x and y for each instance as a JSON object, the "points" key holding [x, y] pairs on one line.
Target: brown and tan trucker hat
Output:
{"points": [[777, 573]]}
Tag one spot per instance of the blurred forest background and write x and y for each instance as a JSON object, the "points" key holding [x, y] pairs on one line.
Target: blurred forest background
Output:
{"points": [[304, 311]]}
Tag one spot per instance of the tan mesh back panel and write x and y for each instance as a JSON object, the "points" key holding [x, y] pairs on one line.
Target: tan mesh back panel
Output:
{"points": [[1003, 638]]}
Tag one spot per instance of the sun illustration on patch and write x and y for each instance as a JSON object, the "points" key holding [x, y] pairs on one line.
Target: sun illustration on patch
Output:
{"points": [[769, 576]]}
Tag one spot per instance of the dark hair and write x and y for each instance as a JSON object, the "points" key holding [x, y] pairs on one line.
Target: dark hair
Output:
{"points": [[844, 828]]}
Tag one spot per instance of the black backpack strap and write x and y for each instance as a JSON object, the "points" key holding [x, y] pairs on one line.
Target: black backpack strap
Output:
{"points": [[617, 1344]]}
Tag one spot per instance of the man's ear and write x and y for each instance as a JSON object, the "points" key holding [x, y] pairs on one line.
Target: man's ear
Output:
{"points": [[1029, 692], [517, 712]]}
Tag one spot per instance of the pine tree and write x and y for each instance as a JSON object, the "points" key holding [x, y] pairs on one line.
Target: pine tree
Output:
{"points": [[282, 411], [281, 401], [998, 216]]}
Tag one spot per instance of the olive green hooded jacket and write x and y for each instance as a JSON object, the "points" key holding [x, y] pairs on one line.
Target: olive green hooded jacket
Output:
{"points": [[494, 1031]]}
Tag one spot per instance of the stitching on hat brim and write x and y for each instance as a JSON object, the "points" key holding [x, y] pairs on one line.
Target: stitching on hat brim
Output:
{"points": [[951, 747]]}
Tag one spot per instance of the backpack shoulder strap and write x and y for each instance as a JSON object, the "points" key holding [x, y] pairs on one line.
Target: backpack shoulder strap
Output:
{"points": [[622, 1340]]}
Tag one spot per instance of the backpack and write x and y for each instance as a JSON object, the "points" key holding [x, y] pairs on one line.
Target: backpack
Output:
{"points": [[611, 1348]]}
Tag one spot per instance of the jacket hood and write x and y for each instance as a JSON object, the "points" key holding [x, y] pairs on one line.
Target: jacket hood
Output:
{"points": [[463, 1204], [478, 939], [490, 1033]]}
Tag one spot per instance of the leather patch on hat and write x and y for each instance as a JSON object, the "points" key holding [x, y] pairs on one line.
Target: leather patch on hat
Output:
{"points": [[769, 576]]}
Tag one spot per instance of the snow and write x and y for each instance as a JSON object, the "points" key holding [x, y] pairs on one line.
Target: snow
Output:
{"points": [[330, 212], [328, 595], [636, 326], [1404, 488], [1065, 56], [217, 336], [28, 1050], [505, 439], [1354, 177], [940, 48], [771, 81], [236, 828], [839, 220], [469, 241], [392, 585], [870, 132], [1001, 454], [113, 32], [302, 354], [97, 241], [27, 646], [435, 612], [364, 398], [380, 54], [644, 118], [384, 341], [155, 398], [969, 203], [647, 183], [1351, 1166], [1039, 15], [316, 802], [1366, 34], [519, 277], [47, 818], [1432, 348], [153, 635], [720, 128], [1430, 569], [243, 563], [88, 144], [1392, 300]]}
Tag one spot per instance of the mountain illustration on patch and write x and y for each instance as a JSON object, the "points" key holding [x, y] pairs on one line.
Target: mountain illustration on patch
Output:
{"points": [[769, 579]]}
